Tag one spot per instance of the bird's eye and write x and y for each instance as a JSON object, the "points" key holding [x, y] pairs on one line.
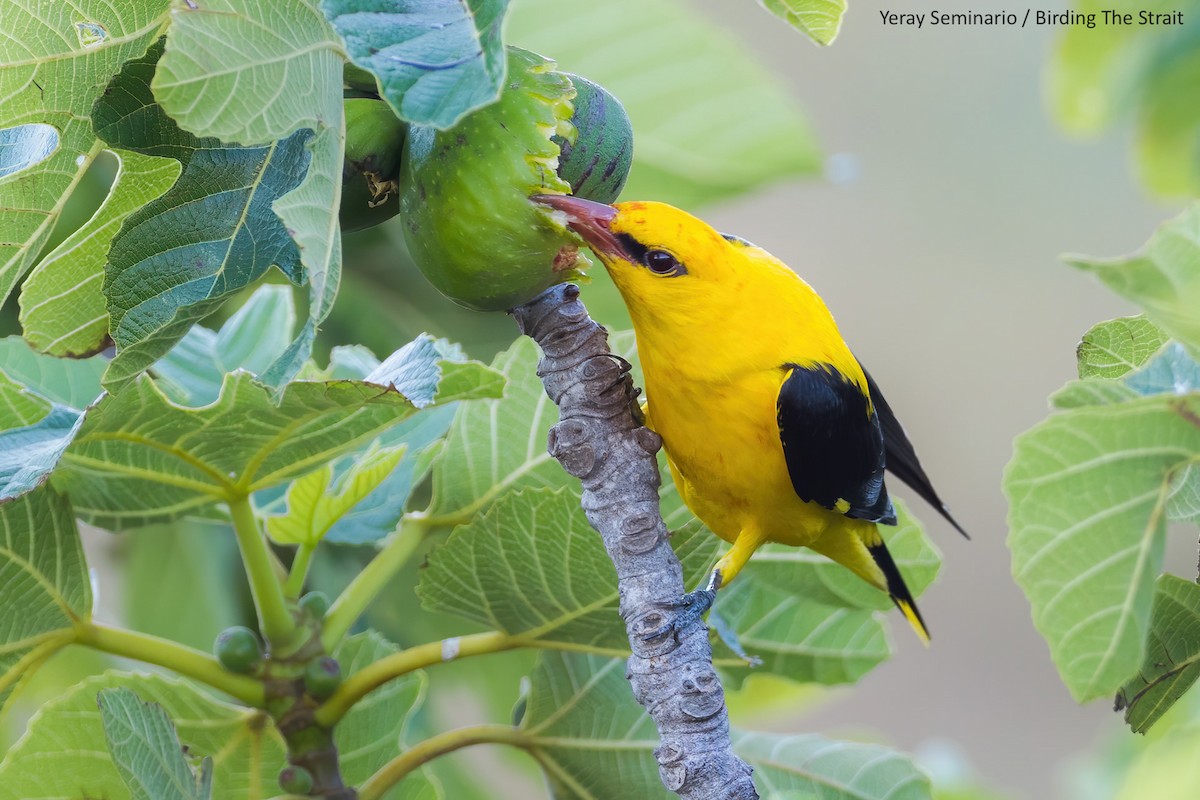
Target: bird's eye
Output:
{"points": [[663, 263]]}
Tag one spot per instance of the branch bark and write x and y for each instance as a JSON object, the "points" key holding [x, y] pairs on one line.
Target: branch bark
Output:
{"points": [[598, 441]]}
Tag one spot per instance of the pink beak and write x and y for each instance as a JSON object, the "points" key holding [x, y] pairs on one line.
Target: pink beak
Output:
{"points": [[589, 219]]}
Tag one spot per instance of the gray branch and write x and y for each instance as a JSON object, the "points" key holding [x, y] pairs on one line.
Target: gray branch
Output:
{"points": [[599, 441]]}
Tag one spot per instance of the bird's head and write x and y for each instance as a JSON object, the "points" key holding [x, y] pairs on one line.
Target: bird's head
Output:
{"points": [[669, 265]]}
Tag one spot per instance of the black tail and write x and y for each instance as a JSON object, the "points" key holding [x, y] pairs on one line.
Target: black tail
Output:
{"points": [[901, 458], [897, 588]]}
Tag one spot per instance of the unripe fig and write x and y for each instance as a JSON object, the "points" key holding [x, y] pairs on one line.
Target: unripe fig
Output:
{"points": [[597, 162], [295, 780], [238, 649], [374, 138], [316, 604], [322, 677], [464, 193]]}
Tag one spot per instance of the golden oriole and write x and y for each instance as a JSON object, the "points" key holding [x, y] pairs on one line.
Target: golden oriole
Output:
{"points": [[773, 431]]}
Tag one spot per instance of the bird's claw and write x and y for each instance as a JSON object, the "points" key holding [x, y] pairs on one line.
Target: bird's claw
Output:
{"points": [[691, 607]]}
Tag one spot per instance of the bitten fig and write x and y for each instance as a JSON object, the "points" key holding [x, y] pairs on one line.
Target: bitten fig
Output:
{"points": [[597, 162], [238, 649], [374, 139], [464, 193]]}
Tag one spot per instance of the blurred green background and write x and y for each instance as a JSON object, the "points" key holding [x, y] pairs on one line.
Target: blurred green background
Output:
{"points": [[948, 193]]}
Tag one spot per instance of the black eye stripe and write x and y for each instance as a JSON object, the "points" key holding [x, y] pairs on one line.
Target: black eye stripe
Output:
{"points": [[633, 248]]}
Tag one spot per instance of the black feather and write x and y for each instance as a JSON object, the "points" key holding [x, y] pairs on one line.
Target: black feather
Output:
{"points": [[900, 456], [832, 446]]}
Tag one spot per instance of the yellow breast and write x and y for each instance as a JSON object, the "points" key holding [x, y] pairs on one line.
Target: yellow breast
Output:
{"points": [[722, 443]]}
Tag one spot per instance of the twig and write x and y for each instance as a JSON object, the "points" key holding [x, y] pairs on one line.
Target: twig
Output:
{"points": [[172, 655], [423, 752], [598, 440]]}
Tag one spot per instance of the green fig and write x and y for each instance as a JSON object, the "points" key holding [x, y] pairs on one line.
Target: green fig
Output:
{"points": [[464, 193], [374, 139], [316, 604], [295, 780], [322, 677], [238, 649], [597, 162]]}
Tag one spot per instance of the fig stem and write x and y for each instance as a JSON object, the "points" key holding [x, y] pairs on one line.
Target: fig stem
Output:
{"points": [[598, 440], [274, 619], [300, 564], [171, 655], [424, 752], [359, 684], [374, 578]]}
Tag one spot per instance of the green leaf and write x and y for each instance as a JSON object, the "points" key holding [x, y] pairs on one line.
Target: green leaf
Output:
{"points": [[63, 753], [211, 235], [310, 213], [435, 60], [18, 405], [313, 505], [44, 587], [258, 332], [813, 766], [37, 421], [371, 734], [593, 741], [376, 515], [531, 566], [29, 454], [146, 750], [819, 20], [214, 233], [1088, 492], [710, 122], [1172, 661], [250, 72], [1111, 349], [495, 447], [141, 458], [63, 310], [54, 62], [251, 339], [1161, 278], [24, 146], [1170, 371], [68, 382]]}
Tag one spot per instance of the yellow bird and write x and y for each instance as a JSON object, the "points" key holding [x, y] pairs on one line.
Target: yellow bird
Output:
{"points": [[773, 431]]}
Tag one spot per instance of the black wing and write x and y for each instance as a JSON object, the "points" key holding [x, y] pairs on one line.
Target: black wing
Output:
{"points": [[832, 446], [901, 458]]}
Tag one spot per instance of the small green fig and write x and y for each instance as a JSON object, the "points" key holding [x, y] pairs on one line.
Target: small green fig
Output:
{"points": [[316, 604], [295, 780], [238, 649], [322, 677], [464, 193], [597, 162], [374, 139]]}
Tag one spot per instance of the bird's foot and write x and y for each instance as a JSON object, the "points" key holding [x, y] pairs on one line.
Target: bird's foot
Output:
{"points": [[691, 607]]}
